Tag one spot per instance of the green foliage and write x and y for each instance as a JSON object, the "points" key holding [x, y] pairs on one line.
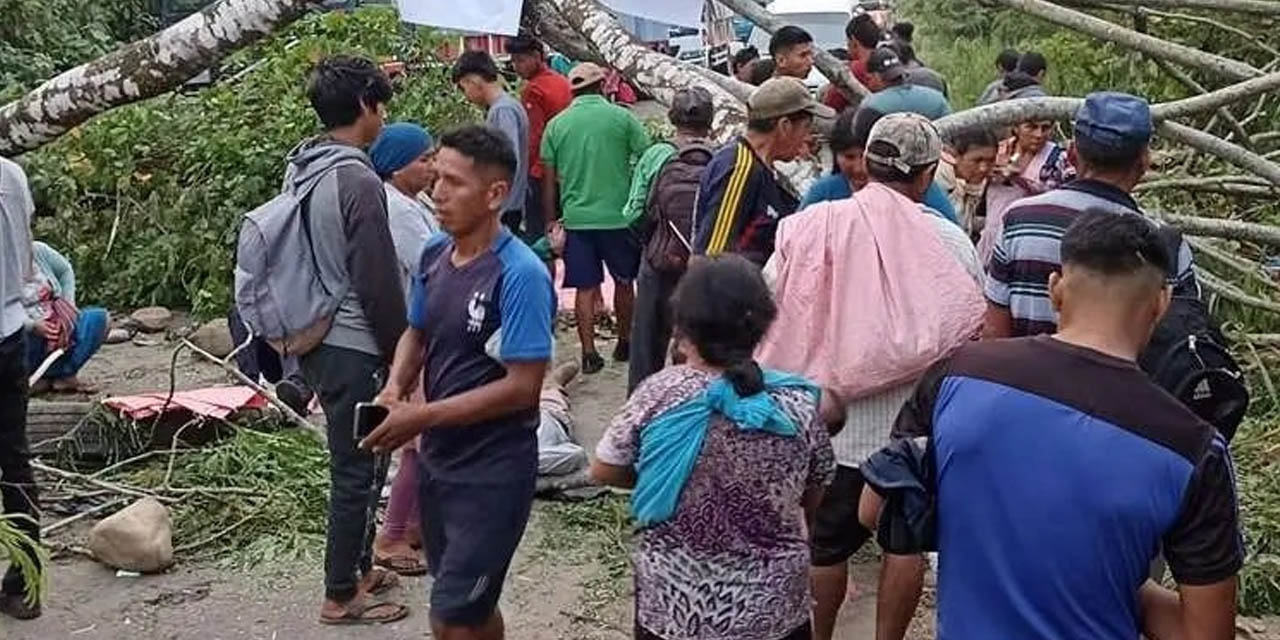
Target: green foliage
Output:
{"points": [[17, 547], [41, 38], [287, 474], [146, 200], [1258, 475]]}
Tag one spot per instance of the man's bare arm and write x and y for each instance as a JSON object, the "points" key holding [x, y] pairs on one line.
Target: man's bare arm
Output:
{"points": [[613, 475], [407, 365], [550, 196], [1204, 612], [998, 323]]}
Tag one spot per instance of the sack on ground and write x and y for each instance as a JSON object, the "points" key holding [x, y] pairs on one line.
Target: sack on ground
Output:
{"points": [[137, 538]]}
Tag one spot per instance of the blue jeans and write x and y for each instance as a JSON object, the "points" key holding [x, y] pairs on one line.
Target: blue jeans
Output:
{"points": [[90, 332]]}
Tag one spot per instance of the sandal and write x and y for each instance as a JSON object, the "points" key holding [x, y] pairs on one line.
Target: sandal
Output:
{"points": [[407, 566], [381, 581], [369, 613]]}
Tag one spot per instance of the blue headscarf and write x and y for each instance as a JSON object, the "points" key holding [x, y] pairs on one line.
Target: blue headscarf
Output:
{"points": [[397, 146], [669, 446]]}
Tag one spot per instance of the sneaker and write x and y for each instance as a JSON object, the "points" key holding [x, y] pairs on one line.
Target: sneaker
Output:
{"points": [[592, 363], [622, 351], [16, 606], [294, 396]]}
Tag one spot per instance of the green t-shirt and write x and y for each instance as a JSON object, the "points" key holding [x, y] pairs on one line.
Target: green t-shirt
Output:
{"points": [[591, 146], [647, 168]]}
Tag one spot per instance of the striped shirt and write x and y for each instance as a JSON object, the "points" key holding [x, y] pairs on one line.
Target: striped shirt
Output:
{"points": [[1029, 251], [739, 205]]}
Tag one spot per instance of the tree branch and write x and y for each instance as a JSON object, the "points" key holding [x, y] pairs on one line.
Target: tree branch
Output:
{"points": [[140, 70], [1220, 98], [830, 66], [1187, 81], [1233, 293], [1216, 146], [660, 75], [1218, 228], [1152, 46], [1257, 7], [1213, 23]]}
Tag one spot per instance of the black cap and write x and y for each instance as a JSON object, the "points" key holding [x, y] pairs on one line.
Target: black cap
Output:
{"points": [[692, 107], [887, 63]]}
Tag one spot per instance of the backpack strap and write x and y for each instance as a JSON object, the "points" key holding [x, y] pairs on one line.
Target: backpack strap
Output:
{"points": [[304, 209]]}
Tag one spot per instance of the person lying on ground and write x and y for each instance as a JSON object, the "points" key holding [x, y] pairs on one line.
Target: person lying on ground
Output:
{"points": [[1111, 149], [1048, 499], [885, 272], [666, 229], [588, 151], [728, 462], [480, 338], [740, 199], [55, 322]]}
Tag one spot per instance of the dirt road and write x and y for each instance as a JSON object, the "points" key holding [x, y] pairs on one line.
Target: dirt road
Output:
{"points": [[569, 582]]}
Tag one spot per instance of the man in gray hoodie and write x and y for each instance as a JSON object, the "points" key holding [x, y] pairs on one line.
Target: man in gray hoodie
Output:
{"points": [[354, 253]]}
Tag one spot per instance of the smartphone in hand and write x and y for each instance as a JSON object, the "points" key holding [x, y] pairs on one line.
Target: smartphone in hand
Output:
{"points": [[368, 417]]}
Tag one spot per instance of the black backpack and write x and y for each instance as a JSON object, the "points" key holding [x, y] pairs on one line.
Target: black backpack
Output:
{"points": [[668, 219], [1188, 357]]}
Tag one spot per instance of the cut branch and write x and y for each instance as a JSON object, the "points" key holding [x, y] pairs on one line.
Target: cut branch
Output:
{"points": [[1128, 38], [1216, 146], [836, 71], [1230, 229], [140, 70], [1257, 7]]}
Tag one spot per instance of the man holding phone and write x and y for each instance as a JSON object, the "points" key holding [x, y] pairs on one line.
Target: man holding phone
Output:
{"points": [[480, 335]]}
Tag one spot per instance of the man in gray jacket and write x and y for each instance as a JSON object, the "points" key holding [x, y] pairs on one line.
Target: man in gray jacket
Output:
{"points": [[354, 253]]}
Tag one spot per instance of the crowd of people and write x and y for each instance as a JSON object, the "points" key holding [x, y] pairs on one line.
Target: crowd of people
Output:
{"points": [[935, 346]]}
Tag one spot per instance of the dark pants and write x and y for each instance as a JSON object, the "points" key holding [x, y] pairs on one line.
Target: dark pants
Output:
{"points": [[17, 480], [535, 220], [651, 324], [341, 378], [513, 220]]}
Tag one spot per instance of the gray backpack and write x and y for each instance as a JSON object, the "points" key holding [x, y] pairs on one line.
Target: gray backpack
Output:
{"points": [[279, 290]]}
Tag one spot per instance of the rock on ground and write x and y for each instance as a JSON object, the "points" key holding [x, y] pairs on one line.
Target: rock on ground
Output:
{"points": [[137, 538], [214, 337], [152, 319]]}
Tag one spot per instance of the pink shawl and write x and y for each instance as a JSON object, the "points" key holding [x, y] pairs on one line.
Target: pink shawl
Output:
{"points": [[868, 295]]}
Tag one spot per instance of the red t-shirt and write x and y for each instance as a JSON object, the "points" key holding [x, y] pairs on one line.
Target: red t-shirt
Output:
{"points": [[545, 95], [835, 99]]}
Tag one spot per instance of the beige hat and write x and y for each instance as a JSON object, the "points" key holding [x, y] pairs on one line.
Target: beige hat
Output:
{"points": [[585, 74], [908, 140], [784, 96]]}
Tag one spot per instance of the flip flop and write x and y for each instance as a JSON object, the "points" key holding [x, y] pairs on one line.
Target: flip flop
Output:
{"points": [[407, 566], [370, 614], [382, 582]]}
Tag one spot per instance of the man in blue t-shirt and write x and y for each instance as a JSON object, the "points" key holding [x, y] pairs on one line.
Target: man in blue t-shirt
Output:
{"points": [[480, 335], [1059, 471]]}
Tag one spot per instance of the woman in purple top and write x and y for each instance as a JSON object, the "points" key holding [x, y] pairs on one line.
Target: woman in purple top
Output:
{"points": [[727, 462]]}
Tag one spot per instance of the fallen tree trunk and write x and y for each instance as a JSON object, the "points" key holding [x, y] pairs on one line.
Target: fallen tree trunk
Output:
{"points": [[836, 71], [140, 70], [1216, 146], [1128, 38], [1230, 229], [659, 75], [1256, 7]]}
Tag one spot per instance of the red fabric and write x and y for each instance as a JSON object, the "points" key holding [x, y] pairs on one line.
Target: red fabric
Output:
{"points": [[835, 99], [545, 95], [60, 314], [215, 402]]}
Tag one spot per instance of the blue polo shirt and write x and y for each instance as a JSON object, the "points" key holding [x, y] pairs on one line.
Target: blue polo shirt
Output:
{"points": [[495, 309], [1061, 473], [836, 187]]}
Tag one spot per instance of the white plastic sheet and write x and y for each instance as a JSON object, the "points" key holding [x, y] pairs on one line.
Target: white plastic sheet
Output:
{"points": [[685, 13], [475, 16]]}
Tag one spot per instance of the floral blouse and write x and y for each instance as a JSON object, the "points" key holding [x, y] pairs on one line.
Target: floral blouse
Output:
{"points": [[733, 561]]}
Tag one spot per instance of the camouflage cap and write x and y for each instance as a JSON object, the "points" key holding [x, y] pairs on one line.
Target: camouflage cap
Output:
{"points": [[904, 141]]}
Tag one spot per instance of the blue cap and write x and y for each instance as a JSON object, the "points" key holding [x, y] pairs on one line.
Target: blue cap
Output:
{"points": [[397, 146], [1113, 120]]}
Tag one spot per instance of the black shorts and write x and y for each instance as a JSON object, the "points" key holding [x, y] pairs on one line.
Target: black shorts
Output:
{"points": [[837, 534], [584, 251], [471, 531]]}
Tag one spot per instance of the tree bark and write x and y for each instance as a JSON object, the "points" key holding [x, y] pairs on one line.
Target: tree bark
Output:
{"points": [[1222, 97], [659, 75], [830, 66], [544, 20], [1152, 46], [140, 70], [1256, 7], [1229, 229]]}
